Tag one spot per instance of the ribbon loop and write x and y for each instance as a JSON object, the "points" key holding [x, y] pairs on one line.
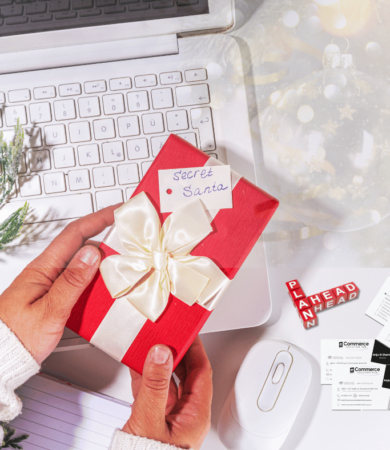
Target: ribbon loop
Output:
{"points": [[155, 261]]}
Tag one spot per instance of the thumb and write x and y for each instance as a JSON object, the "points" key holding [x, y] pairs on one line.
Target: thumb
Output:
{"points": [[74, 279], [149, 407]]}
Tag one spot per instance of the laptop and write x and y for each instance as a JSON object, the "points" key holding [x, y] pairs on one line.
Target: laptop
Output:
{"points": [[98, 86]]}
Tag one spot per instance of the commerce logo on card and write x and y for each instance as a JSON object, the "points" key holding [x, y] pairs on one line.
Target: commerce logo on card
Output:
{"points": [[352, 370]]}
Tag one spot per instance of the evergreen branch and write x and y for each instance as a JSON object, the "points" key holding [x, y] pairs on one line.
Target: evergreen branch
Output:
{"points": [[12, 226], [9, 441]]}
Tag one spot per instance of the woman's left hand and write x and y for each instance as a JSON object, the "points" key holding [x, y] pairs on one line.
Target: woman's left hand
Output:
{"points": [[38, 303]]}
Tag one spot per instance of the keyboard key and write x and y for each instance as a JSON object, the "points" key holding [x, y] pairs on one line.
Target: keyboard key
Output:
{"points": [[153, 123], [66, 15], [79, 132], [163, 4], [108, 198], [115, 10], [113, 152], [170, 78], [88, 154], [196, 94], [59, 5], [55, 134], [103, 3], [202, 120], [54, 182], [189, 137], [52, 208], [130, 192], [128, 126], [11, 11], [13, 113], [32, 137], [89, 107], [104, 129], [64, 157], [6, 2], [162, 98], [177, 120], [126, 2], [138, 101], [79, 180], [64, 110], [117, 84], [82, 4], [21, 95], [67, 90], [36, 8], [103, 176], [157, 144], [195, 75], [128, 173], [40, 112], [90, 12], [92, 87], [41, 18], [113, 104], [138, 7], [22, 164], [16, 20], [2, 97], [137, 148], [30, 185], [186, 2], [145, 166], [39, 160], [145, 80], [44, 92]]}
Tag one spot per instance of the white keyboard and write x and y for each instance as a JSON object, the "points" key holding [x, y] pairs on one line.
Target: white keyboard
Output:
{"points": [[87, 145]]}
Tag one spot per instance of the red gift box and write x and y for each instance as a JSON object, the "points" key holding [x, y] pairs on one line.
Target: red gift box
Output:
{"points": [[235, 232]]}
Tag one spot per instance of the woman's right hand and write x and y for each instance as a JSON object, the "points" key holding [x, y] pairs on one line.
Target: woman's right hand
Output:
{"points": [[176, 415]]}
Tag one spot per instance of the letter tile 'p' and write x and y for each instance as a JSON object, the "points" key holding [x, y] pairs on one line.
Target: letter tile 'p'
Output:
{"points": [[292, 285], [308, 318]]}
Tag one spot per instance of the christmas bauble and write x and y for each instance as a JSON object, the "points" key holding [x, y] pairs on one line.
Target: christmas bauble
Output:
{"points": [[326, 148]]}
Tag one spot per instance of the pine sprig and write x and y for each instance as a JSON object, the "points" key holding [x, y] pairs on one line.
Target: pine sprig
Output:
{"points": [[9, 441], [12, 226], [10, 154]]}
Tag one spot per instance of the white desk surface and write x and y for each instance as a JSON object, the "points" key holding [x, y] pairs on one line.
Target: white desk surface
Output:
{"points": [[320, 262]]}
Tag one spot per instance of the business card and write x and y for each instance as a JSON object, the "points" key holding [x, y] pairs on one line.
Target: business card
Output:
{"points": [[343, 352], [360, 388], [380, 353], [379, 309]]}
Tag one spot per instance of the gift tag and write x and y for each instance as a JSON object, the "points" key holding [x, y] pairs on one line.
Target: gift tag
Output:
{"points": [[212, 185]]}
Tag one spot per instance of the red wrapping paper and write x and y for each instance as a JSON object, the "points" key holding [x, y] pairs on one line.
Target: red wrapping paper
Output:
{"points": [[235, 233]]}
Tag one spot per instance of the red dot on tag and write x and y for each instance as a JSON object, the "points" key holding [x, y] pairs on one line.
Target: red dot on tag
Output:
{"points": [[169, 191]]}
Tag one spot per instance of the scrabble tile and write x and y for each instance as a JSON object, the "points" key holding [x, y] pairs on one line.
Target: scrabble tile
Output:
{"points": [[292, 285], [297, 294], [329, 299], [341, 294], [302, 304], [316, 302], [352, 289], [308, 318]]}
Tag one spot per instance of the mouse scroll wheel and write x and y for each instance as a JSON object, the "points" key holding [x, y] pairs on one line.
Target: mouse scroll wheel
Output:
{"points": [[278, 373]]}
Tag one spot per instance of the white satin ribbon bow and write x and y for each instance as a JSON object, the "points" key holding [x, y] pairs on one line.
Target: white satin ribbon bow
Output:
{"points": [[156, 261]]}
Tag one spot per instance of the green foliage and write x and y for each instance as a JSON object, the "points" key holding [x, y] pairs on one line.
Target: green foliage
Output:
{"points": [[9, 162], [10, 155], [9, 441], [12, 226]]}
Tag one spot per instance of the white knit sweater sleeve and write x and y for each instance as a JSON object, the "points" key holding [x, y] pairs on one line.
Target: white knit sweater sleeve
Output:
{"points": [[125, 441], [16, 367]]}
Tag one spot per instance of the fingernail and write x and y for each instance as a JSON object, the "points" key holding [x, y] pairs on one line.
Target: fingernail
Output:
{"points": [[160, 355], [88, 255]]}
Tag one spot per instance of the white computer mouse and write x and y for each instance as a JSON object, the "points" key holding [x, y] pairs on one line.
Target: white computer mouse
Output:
{"points": [[266, 397]]}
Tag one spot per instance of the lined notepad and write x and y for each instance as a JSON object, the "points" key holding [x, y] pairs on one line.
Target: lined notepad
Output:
{"points": [[61, 416]]}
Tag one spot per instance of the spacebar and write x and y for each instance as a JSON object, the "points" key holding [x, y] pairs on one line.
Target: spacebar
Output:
{"points": [[48, 209]]}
